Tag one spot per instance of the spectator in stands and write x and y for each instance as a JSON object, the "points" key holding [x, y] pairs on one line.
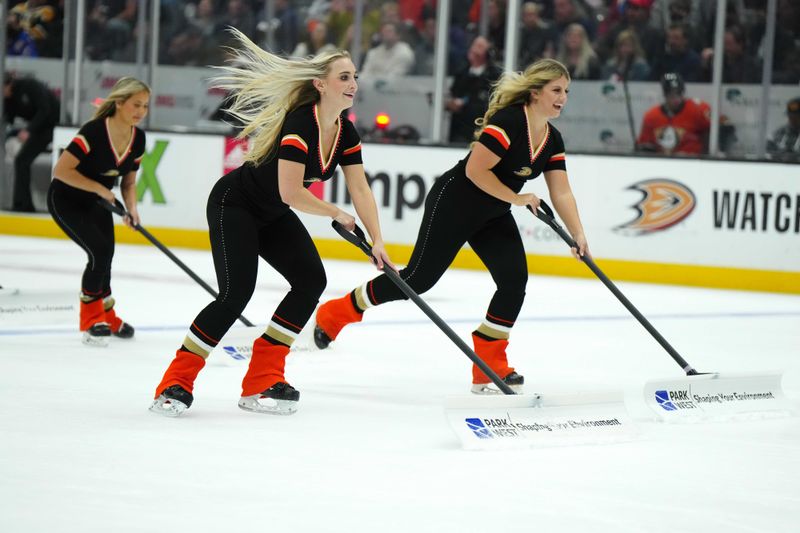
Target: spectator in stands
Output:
{"points": [[32, 101], [238, 14], [425, 49], [679, 125], [737, 65], [628, 62], [784, 143], [577, 54], [470, 90], [340, 24], [316, 42], [109, 28], [34, 29], [678, 56], [537, 38], [566, 12], [392, 57], [286, 34], [636, 17]]}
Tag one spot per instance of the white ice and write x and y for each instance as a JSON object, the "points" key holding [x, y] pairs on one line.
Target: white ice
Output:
{"points": [[369, 449]]}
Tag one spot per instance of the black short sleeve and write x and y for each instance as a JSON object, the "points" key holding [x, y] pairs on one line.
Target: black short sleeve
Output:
{"points": [[558, 158], [82, 144], [295, 137], [503, 127], [138, 149], [351, 145]]}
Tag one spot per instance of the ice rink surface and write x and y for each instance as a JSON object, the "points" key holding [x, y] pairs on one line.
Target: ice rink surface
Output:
{"points": [[369, 449]]}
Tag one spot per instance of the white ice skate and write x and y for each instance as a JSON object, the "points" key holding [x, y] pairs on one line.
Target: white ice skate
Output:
{"points": [[97, 335], [172, 402], [280, 399]]}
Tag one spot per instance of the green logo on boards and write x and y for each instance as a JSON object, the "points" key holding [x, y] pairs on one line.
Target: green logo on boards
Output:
{"points": [[148, 180]]}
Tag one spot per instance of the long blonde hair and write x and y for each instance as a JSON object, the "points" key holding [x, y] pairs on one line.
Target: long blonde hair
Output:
{"points": [[266, 88], [120, 92], [515, 87]]}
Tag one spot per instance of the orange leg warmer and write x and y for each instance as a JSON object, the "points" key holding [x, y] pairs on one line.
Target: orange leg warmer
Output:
{"points": [[91, 313], [333, 315], [266, 367], [493, 354], [182, 371]]}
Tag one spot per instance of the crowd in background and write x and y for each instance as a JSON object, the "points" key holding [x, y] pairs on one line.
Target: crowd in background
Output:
{"points": [[635, 40], [596, 39]]}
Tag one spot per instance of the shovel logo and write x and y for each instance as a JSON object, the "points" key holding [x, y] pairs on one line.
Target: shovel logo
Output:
{"points": [[234, 353], [477, 427], [662, 398]]}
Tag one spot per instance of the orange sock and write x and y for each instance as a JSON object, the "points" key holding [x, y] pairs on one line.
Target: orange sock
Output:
{"points": [[266, 367], [333, 315], [91, 313], [182, 371], [493, 354]]}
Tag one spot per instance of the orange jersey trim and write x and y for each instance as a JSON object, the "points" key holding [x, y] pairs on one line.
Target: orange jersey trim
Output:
{"points": [[82, 143], [296, 141], [354, 149], [498, 134]]}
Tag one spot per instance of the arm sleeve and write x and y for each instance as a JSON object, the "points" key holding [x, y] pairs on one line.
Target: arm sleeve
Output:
{"points": [[81, 145], [503, 127], [558, 156], [294, 138], [351, 143], [138, 149]]}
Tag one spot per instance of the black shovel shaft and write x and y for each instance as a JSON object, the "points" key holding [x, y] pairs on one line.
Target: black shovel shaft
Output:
{"points": [[119, 210], [357, 237], [545, 214]]}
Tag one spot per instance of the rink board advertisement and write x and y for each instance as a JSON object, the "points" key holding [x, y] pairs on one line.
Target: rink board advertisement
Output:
{"points": [[706, 223]]}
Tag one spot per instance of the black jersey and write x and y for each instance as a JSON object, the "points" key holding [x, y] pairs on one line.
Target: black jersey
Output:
{"points": [[507, 136], [97, 159], [299, 141]]}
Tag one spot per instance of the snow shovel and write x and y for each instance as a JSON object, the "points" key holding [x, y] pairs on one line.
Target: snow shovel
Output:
{"points": [[700, 395], [118, 209], [517, 420]]}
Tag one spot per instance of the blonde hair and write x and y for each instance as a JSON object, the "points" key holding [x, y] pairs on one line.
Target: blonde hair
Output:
{"points": [[585, 54], [120, 92], [515, 87], [266, 88]]}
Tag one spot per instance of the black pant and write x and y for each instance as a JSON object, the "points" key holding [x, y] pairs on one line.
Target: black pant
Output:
{"points": [[36, 144], [91, 226], [456, 213], [238, 239]]}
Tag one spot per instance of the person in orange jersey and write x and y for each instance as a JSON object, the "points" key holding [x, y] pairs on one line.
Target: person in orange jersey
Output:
{"points": [[292, 111], [106, 151], [471, 203]]}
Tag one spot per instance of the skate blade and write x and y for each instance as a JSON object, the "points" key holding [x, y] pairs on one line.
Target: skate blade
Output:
{"points": [[489, 389], [91, 340], [166, 407], [267, 406]]}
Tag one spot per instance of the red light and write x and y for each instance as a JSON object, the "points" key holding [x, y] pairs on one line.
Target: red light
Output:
{"points": [[97, 102], [382, 121], [352, 117]]}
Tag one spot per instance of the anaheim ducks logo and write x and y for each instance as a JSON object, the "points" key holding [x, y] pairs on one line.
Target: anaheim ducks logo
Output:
{"points": [[524, 172], [664, 203], [312, 180], [111, 173]]}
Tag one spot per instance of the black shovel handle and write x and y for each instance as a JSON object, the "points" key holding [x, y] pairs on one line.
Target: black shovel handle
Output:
{"points": [[358, 238], [118, 209], [545, 214]]}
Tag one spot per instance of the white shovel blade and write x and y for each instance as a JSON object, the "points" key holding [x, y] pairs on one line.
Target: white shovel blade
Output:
{"points": [[523, 421], [716, 397]]}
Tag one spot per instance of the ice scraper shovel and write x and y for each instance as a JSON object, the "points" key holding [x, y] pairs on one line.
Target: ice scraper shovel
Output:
{"points": [[699, 395], [517, 420]]}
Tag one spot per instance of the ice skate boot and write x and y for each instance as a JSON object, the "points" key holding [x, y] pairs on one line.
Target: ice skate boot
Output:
{"points": [[119, 328], [172, 401], [513, 380], [280, 399], [97, 335], [331, 317]]}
